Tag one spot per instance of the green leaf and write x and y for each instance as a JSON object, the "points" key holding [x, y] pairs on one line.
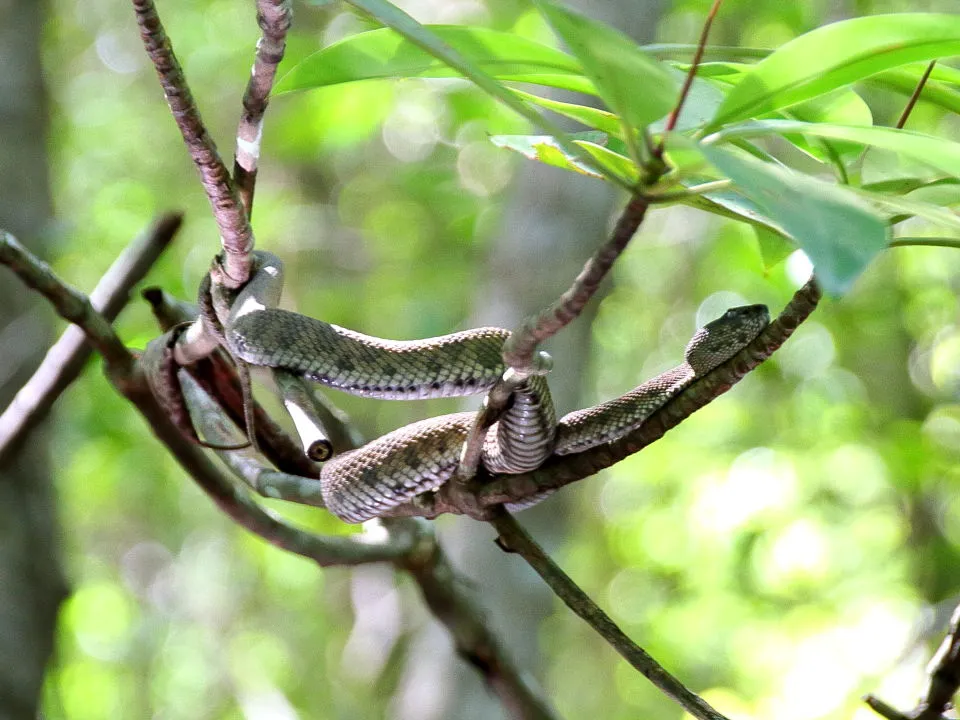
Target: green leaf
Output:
{"points": [[615, 162], [635, 86], [903, 185], [394, 17], [898, 209], [937, 152], [836, 55], [730, 205], [589, 116], [545, 149], [774, 248], [573, 83], [668, 50], [832, 225], [904, 81], [384, 53]]}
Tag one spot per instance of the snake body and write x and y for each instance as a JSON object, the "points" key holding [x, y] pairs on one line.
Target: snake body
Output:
{"points": [[422, 456], [416, 458]]}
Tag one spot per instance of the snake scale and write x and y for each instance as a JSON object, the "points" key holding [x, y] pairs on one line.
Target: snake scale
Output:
{"points": [[364, 483]]}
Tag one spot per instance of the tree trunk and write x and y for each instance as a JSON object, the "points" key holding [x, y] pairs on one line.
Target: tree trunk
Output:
{"points": [[31, 580]]}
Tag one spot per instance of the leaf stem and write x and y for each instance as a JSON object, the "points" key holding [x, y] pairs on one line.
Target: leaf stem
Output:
{"points": [[674, 115]]}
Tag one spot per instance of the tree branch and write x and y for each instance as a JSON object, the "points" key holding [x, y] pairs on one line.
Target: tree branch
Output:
{"points": [[65, 359], [70, 304], [513, 538], [274, 18], [943, 681], [519, 349], [236, 236], [125, 375], [520, 346], [674, 115]]}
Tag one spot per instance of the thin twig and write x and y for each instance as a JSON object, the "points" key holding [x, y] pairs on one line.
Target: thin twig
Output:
{"points": [[274, 17], [513, 538], [943, 673], [448, 600], [943, 681], [70, 304], [518, 351], [236, 236], [915, 96], [65, 360], [674, 115], [520, 348], [883, 709], [904, 116]]}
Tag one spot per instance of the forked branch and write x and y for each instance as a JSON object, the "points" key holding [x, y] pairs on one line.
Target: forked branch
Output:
{"points": [[274, 18], [236, 236], [64, 361]]}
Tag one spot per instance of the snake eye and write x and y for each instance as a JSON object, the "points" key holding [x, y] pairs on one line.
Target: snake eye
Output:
{"points": [[320, 450]]}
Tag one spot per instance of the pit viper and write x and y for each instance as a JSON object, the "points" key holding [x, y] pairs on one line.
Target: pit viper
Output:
{"points": [[364, 483]]}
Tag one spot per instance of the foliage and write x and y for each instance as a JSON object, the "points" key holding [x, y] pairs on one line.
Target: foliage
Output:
{"points": [[761, 551], [837, 229]]}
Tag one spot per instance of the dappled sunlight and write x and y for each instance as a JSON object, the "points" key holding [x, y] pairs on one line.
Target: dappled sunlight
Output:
{"points": [[828, 666], [759, 481]]}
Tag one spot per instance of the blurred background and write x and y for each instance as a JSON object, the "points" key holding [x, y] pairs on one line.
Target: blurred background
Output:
{"points": [[790, 547]]}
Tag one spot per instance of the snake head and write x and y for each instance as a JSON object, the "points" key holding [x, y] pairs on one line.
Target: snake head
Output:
{"points": [[721, 339]]}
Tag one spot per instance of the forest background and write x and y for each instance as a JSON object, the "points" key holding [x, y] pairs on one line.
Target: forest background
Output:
{"points": [[787, 549]]}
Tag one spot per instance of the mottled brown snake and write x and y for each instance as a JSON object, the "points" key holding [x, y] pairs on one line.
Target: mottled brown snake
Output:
{"points": [[422, 456]]}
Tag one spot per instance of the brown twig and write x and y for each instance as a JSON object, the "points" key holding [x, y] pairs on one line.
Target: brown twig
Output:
{"points": [[674, 115], [65, 360], [518, 351], [907, 110], [520, 348], [882, 709], [915, 96], [70, 304], [943, 681], [943, 674], [513, 538], [274, 17], [236, 236]]}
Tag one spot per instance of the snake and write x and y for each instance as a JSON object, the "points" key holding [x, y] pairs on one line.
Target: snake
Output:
{"points": [[420, 457]]}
